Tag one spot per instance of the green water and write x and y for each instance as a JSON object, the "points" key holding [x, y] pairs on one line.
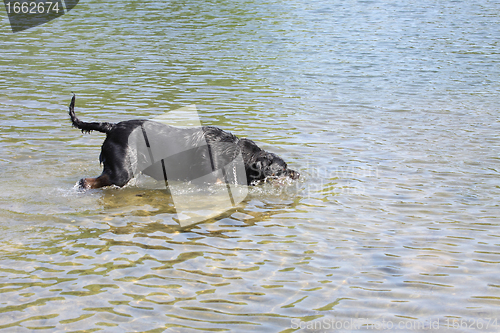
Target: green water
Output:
{"points": [[388, 109]]}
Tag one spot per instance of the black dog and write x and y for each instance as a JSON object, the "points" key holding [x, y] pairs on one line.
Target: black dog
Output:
{"points": [[128, 148]]}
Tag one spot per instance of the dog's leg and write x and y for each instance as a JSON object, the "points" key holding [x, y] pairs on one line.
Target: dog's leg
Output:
{"points": [[101, 181]]}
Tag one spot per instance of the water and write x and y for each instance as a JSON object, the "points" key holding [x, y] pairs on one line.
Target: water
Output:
{"points": [[388, 109]]}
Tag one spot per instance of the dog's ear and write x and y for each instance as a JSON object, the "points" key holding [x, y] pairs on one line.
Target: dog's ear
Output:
{"points": [[263, 161], [259, 166]]}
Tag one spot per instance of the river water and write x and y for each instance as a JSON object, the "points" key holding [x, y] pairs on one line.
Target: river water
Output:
{"points": [[389, 110]]}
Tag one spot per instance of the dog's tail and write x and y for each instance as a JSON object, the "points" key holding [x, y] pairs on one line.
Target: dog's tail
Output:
{"points": [[87, 127]]}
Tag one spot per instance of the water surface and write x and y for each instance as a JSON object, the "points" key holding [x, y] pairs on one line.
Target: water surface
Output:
{"points": [[388, 109]]}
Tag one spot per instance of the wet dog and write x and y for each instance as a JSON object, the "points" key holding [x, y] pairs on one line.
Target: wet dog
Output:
{"points": [[193, 153]]}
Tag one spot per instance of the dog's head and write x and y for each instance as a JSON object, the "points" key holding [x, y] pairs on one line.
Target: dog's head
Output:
{"points": [[269, 165]]}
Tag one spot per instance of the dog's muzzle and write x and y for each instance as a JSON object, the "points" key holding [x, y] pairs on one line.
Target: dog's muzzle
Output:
{"points": [[293, 174]]}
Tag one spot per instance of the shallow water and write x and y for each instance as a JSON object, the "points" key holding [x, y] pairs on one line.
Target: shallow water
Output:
{"points": [[388, 110]]}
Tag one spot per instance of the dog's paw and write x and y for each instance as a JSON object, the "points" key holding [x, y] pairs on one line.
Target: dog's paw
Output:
{"points": [[82, 184]]}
